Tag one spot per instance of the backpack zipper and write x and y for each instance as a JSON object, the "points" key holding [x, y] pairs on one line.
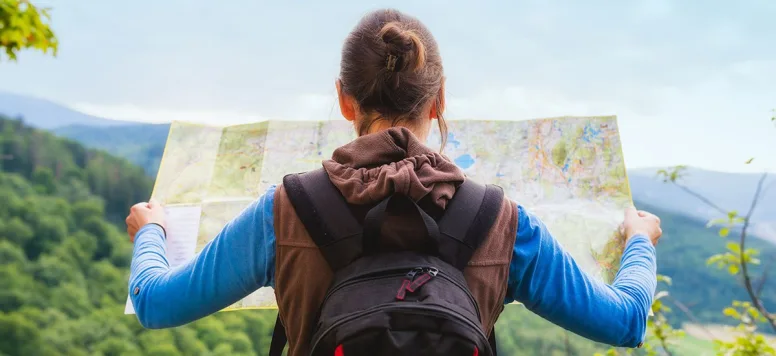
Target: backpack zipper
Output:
{"points": [[411, 275], [398, 272], [420, 309]]}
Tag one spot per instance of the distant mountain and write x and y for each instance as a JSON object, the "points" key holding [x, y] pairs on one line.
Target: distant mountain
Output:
{"points": [[730, 191], [45, 114], [142, 144]]}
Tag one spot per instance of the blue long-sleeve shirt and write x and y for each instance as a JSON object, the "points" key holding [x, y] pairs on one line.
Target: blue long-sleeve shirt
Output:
{"points": [[542, 276]]}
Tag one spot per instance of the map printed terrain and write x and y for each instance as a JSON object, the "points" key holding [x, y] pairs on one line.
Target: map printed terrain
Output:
{"points": [[569, 171]]}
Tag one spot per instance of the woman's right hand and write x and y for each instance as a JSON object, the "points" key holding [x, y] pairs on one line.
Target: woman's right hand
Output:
{"points": [[142, 214], [639, 222]]}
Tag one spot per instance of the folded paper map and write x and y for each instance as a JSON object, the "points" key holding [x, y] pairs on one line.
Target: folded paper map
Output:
{"points": [[569, 171]]}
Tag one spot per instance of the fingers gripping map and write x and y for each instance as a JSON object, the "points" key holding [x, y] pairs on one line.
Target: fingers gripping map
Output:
{"points": [[569, 171]]}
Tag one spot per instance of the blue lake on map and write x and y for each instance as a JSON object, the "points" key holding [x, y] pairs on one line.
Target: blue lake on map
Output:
{"points": [[464, 161]]}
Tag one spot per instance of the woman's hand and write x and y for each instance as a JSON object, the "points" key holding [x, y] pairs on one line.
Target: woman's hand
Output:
{"points": [[639, 222], [142, 214]]}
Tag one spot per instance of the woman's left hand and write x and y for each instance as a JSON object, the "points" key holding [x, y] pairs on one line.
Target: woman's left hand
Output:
{"points": [[142, 214]]}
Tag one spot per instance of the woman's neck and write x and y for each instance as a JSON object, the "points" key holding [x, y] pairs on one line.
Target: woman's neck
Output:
{"points": [[380, 124]]}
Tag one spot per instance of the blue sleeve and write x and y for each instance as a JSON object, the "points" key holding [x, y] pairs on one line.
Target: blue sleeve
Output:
{"points": [[547, 280], [238, 261]]}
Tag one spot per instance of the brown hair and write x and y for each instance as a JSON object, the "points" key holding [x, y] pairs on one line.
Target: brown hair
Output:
{"points": [[392, 67]]}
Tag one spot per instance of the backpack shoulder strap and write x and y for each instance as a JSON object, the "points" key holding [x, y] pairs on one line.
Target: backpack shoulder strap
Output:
{"points": [[326, 216], [467, 221], [492, 341], [279, 338]]}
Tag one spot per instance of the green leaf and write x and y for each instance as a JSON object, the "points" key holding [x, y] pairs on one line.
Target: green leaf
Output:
{"points": [[731, 312], [724, 232], [665, 279], [717, 221], [734, 247], [22, 27], [733, 269], [749, 160]]}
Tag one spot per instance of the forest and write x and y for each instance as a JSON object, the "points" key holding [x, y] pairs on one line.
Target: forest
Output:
{"points": [[64, 258]]}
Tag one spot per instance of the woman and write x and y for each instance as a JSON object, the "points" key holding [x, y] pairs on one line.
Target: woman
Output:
{"points": [[391, 86]]}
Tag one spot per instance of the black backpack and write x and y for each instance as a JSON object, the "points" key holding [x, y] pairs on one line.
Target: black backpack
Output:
{"points": [[394, 302]]}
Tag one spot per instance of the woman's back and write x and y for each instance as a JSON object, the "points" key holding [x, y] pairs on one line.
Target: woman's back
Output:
{"points": [[366, 172], [391, 87]]}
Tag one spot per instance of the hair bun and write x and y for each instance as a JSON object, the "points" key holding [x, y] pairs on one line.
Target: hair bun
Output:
{"points": [[405, 44]]}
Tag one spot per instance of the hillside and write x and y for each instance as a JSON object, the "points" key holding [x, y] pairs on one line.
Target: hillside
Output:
{"points": [[141, 144], [46, 114], [64, 259], [705, 290]]}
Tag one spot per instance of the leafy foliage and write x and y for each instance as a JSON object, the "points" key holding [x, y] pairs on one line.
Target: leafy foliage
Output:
{"points": [[65, 168], [683, 253], [747, 343], [738, 259], [64, 266], [24, 26]]}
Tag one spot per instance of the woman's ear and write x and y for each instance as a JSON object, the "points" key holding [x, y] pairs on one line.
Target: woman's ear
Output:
{"points": [[346, 103], [438, 108]]}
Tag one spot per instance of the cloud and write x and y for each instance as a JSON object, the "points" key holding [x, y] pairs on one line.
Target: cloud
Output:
{"points": [[160, 115], [701, 124], [521, 103], [303, 107]]}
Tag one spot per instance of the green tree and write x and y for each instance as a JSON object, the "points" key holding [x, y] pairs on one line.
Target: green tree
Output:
{"points": [[746, 343], [737, 260], [25, 26], [17, 231], [43, 179], [17, 335]]}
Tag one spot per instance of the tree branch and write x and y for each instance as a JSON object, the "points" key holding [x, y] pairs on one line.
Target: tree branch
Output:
{"points": [[664, 345], [692, 317], [701, 198], [744, 266], [763, 278]]}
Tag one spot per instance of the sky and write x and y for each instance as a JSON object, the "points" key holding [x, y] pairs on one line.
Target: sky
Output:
{"points": [[691, 82]]}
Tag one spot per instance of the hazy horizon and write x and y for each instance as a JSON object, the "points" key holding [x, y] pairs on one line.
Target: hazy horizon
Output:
{"points": [[691, 83]]}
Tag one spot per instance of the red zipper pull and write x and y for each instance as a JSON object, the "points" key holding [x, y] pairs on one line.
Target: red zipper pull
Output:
{"points": [[402, 292], [419, 282], [403, 289]]}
